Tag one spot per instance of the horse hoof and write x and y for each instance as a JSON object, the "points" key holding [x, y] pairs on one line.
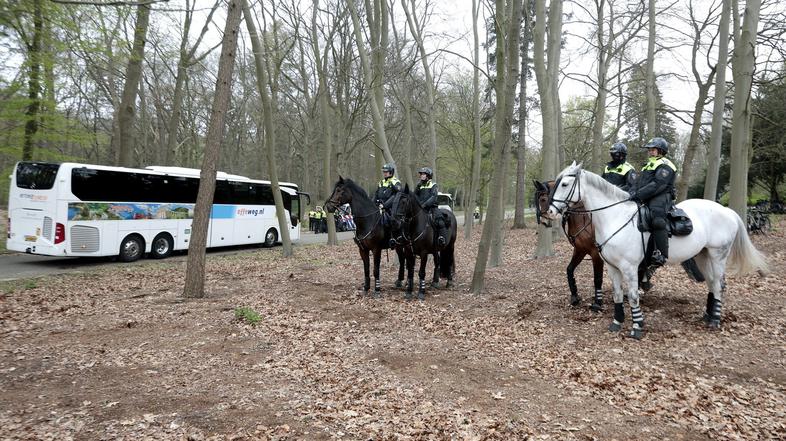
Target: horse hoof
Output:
{"points": [[596, 307], [421, 296], [449, 284], [646, 286], [615, 327], [575, 300], [636, 333], [435, 285], [713, 324], [377, 294], [408, 295], [399, 283]]}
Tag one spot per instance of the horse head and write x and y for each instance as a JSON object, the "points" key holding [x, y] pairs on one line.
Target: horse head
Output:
{"points": [[567, 190], [542, 195], [402, 211], [340, 196]]}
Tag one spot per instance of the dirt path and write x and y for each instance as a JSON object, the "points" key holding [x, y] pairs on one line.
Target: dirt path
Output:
{"points": [[117, 355]]}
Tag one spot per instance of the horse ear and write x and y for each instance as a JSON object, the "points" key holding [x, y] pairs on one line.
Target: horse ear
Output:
{"points": [[538, 184], [574, 163], [406, 188], [579, 165], [340, 178]]}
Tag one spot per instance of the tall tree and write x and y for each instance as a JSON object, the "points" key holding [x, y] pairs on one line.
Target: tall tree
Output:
{"points": [[742, 71], [521, 147], [650, 75], [546, 68], [507, 23], [474, 187], [34, 61], [417, 34], [716, 136], [195, 266], [127, 110], [369, 80], [684, 180], [268, 113]]}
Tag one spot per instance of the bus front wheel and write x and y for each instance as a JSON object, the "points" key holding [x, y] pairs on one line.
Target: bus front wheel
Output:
{"points": [[132, 248], [270, 238], [162, 246]]}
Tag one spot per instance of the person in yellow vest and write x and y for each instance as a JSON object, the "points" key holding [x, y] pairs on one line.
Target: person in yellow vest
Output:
{"points": [[619, 172], [322, 217], [312, 221], [426, 191], [387, 187], [654, 188]]}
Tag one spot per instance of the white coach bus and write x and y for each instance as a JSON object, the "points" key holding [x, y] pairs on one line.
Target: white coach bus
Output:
{"points": [[85, 210]]}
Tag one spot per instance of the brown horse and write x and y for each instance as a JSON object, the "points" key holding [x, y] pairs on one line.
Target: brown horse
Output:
{"points": [[578, 228]]}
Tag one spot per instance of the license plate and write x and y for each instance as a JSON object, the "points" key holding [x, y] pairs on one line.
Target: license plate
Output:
{"points": [[31, 238]]}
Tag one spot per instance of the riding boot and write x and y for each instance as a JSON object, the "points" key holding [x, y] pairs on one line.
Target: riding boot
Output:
{"points": [[661, 253]]}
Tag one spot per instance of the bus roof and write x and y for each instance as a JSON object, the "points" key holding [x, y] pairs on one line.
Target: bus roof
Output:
{"points": [[175, 171]]}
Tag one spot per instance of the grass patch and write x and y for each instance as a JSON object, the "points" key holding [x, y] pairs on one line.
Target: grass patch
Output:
{"points": [[247, 315]]}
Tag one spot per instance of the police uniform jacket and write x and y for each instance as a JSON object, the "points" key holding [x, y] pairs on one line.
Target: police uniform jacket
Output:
{"points": [[386, 189], [621, 174], [656, 183], [426, 192]]}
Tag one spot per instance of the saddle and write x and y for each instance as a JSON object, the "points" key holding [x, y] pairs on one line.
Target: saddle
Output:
{"points": [[678, 223]]}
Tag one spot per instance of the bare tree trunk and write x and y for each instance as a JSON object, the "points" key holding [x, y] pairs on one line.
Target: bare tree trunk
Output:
{"points": [[742, 70], [476, 157], [34, 49], [412, 20], [268, 111], [508, 21], [376, 111], [713, 157], [195, 267], [521, 151], [548, 107], [511, 78], [599, 117], [324, 110], [127, 111], [650, 79]]}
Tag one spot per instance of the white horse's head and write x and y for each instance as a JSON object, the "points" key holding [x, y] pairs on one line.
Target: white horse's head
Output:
{"points": [[566, 190]]}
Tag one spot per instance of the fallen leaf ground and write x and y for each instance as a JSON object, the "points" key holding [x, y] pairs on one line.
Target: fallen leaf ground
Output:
{"points": [[117, 354]]}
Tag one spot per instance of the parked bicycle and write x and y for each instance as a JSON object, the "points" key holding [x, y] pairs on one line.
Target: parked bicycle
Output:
{"points": [[758, 221]]}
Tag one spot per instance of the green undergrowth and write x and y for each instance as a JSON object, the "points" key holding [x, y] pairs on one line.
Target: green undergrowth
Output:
{"points": [[248, 315]]}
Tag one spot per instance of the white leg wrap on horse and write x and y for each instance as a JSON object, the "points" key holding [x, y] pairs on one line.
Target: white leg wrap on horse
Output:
{"points": [[637, 316]]}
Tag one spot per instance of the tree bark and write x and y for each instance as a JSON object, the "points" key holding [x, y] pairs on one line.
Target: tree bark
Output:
{"points": [[127, 111], [521, 149], [34, 49], [716, 136], [376, 111], [507, 22], [742, 70], [650, 79], [195, 266], [268, 112], [324, 110], [474, 187]]}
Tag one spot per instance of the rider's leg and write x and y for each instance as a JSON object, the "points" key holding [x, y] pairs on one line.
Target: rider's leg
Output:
{"points": [[661, 237]]}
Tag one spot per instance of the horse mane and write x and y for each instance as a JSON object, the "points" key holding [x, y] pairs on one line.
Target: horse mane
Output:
{"points": [[355, 187], [597, 181]]}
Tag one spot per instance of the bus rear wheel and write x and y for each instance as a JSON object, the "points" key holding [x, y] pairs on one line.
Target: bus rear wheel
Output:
{"points": [[162, 246], [270, 238], [131, 248]]}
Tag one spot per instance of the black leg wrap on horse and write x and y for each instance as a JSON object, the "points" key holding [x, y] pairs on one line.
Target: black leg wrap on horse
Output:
{"points": [[597, 304], [619, 317], [637, 316]]}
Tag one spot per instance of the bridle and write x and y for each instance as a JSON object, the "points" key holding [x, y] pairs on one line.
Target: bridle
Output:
{"points": [[402, 238], [335, 203]]}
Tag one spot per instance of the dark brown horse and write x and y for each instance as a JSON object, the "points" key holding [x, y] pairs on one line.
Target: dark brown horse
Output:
{"points": [[578, 228], [371, 236], [414, 233]]}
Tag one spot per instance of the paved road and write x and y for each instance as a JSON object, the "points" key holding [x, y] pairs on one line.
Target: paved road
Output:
{"points": [[19, 266]]}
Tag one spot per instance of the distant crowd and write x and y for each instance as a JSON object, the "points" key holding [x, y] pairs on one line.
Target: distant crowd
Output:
{"points": [[318, 218]]}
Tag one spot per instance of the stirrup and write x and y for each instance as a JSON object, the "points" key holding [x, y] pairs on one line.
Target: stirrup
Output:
{"points": [[441, 241], [657, 259]]}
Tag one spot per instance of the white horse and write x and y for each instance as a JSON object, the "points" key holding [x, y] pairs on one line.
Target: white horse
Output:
{"points": [[719, 237]]}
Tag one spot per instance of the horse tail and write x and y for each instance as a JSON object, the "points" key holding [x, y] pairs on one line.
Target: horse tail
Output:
{"points": [[744, 257], [447, 261]]}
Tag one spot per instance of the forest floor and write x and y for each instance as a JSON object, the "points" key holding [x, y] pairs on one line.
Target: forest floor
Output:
{"points": [[118, 354]]}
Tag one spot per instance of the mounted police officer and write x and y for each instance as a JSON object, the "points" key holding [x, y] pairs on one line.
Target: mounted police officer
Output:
{"points": [[426, 191], [619, 172], [387, 187], [655, 189]]}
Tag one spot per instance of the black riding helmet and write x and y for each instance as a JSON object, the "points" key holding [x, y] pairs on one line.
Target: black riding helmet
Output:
{"points": [[658, 143], [389, 168], [618, 151], [427, 171]]}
